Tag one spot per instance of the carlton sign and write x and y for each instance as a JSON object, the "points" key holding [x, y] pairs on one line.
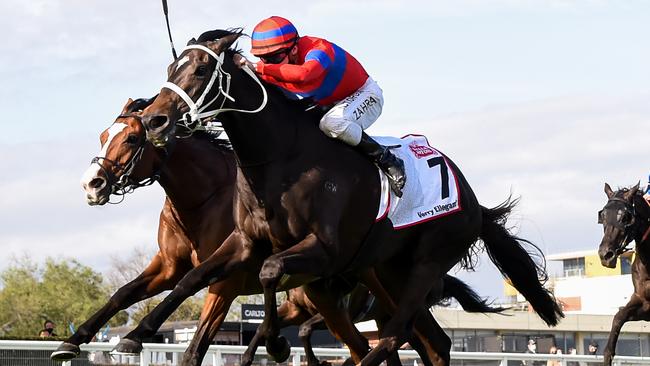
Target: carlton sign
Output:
{"points": [[251, 311]]}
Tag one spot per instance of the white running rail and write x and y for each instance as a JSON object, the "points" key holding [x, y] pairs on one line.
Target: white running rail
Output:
{"points": [[20, 352]]}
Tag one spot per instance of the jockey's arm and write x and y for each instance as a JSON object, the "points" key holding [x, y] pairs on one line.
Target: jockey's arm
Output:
{"points": [[295, 74]]}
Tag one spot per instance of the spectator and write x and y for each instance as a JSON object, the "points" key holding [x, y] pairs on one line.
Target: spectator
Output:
{"points": [[572, 351], [553, 350], [593, 348], [531, 348], [48, 329]]}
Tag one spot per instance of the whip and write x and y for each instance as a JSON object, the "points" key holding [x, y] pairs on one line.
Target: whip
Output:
{"points": [[169, 32]]}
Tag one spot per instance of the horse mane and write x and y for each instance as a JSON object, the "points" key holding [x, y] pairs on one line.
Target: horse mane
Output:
{"points": [[140, 104], [222, 144], [216, 34]]}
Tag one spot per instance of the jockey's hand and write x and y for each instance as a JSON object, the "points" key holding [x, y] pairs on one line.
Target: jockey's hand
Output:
{"points": [[241, 61]]}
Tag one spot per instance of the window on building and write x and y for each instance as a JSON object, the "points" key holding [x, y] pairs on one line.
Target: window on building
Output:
{"points": [[626, 265], [574, 267]]}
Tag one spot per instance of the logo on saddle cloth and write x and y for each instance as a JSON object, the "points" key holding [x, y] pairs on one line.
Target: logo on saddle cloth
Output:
{"points": [[421, 151]]}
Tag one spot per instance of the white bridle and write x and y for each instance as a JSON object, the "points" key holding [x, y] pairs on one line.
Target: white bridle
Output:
{"points": [[198, 110]]}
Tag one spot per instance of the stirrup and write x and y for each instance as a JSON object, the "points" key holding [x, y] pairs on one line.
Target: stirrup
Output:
{"points": [[394, 169]]}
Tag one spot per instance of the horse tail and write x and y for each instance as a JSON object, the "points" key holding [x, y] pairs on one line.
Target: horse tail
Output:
{"points": [[466, 297], [516, 264]]}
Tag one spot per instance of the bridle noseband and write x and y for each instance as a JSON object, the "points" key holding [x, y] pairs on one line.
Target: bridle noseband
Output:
{"points": [[198, 115], [629, 228], [125, 184]]}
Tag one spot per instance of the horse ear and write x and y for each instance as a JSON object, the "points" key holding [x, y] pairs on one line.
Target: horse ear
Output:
{"points": [[191, 41], [632, 191], [125, 109], [608, 191], [225, 42]]}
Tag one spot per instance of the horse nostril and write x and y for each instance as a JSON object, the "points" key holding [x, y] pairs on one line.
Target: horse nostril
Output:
{"points": [[609, 255], [156, 122], [97, 183]]}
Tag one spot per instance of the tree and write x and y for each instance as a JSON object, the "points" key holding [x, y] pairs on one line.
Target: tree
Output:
{"points": [[125, 269], [63, 290]]}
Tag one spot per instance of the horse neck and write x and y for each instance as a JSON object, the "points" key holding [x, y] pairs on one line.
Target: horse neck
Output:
{"points": [[642, 237], [195, 172], [259, 138]]}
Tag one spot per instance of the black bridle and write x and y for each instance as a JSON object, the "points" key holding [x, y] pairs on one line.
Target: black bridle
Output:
{"points": [[625, 221], [125, 183]]}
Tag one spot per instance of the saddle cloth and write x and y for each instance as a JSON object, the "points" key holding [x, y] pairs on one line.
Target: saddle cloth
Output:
{"points": [[431, 189]]}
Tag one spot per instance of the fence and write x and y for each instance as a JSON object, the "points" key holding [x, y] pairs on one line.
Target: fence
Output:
{"points": [[36, 353]]}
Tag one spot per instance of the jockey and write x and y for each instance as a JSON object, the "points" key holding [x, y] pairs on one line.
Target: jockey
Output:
{"points": [[315, 68], [646, 195]]}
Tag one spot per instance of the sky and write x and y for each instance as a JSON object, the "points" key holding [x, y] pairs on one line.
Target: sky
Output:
{"points": [[545, 100]]}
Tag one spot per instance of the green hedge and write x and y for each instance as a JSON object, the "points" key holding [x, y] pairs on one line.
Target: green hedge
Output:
{"points": [[32, 338]]}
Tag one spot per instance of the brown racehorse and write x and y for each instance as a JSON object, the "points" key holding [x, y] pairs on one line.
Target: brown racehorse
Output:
{"points": [[193, 223], [310, 203], [626, 217], [195, 215]]}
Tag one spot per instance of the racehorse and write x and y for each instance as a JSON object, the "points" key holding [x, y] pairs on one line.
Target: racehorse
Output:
{"points": [[626, 217], [193, 222], [299, 310], [311, 202]]}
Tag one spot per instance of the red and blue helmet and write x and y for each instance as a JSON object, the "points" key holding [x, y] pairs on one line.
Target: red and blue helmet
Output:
{"points": [[272, 35]]}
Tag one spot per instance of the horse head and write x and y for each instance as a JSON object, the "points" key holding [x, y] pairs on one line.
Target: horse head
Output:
{"points": [[197, 87], [620, 220], [126, 161]]}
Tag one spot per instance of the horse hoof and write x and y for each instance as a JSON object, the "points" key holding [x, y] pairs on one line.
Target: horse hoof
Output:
{"points": [[128, 347], [65, 352], [279, 350]]}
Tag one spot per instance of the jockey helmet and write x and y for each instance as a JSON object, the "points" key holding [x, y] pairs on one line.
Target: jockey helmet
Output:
{"points": [[272, 35]]}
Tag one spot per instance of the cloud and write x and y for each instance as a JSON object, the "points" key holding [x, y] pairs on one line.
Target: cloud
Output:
{"points": [[547, 112]]}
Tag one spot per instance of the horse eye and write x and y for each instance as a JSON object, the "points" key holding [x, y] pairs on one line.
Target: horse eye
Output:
{"points": [[132, 139]]}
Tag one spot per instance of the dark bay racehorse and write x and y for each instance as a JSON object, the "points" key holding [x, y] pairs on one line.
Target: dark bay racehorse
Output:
{"points": [[195, 215], [626, 217], [299, 310], [311, 202]]}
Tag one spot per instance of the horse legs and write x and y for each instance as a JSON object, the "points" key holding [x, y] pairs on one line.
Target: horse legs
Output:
{"points": [[288, 314], [429, 340], [233, 253], [305, 331], [215, 308], [304, 257], [337, 318], [624, 314], [400, 325], [155, 279]]}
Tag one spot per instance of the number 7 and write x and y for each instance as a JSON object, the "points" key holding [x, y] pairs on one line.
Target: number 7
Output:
{"points": [[444, 174]]}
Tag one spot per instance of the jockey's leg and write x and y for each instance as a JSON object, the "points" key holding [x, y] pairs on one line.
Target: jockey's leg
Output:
{"points": [[386, 160], [346, 122]]}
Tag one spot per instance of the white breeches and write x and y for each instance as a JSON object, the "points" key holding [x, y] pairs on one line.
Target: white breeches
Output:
{"points": [[349, 117]]}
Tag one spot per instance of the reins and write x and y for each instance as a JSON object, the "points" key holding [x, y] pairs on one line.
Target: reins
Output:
{"points": [[125, 184], [632, 227], [198, 113]]}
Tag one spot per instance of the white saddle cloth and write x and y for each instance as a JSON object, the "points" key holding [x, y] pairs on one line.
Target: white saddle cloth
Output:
{"points": [[431, 189]]}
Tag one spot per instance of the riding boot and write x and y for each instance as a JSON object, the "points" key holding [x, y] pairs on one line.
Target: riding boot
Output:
{"points": [[386, 160]]}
